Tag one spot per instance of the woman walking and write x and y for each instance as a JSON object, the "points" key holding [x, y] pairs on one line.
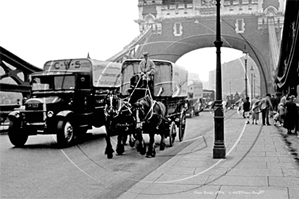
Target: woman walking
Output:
{"points": [[255, 110], [290, 115]]}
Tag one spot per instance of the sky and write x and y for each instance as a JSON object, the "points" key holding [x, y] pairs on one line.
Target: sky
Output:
{"points": [[38, 31]]}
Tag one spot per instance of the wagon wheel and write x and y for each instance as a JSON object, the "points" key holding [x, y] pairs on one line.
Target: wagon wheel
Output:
{"points": [[172, 133], [182, 121]]}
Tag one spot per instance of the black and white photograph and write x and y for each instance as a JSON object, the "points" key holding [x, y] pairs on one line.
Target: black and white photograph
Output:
{"points": [[143, 99]]}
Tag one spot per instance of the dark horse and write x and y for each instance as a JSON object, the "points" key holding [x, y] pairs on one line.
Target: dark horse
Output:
{"points": [[119, 121], [150, 118], [139, 87]]}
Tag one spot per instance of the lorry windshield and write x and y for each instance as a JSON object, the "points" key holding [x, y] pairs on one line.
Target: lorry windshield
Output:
{"points": [[53, 82]]}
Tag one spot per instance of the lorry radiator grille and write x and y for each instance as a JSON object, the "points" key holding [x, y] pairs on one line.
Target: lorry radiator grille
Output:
{"points": [[35, 116], [34, 112]]}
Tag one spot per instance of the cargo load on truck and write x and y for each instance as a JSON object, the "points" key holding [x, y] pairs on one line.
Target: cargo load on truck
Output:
{"points": [[195, 89], [104, 73], [171, 77]]}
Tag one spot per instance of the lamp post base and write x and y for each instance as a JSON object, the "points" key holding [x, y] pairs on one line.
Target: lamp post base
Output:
{"points": [[219, 150]]}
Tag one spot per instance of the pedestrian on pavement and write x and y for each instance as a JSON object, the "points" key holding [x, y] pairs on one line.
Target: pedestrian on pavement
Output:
{"points": [[290, 115], [278, 118], [274, 105], [255, 110], [265, 108], [246, 107], [297, 119], [239, 105], [274, 102], [283, 99]]}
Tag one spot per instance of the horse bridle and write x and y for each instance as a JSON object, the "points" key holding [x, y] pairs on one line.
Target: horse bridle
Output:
{"points": [[152, 104], [109, 108], [141, 76]]}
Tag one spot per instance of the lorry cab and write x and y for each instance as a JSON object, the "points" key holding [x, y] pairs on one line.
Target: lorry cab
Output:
{"points": [[66, 99]]}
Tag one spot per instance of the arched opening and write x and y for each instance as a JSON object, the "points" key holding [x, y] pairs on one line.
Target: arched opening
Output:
{"points": [[174, 50], [202, 63]]}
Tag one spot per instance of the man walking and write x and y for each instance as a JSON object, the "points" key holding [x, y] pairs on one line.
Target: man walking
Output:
{"points": [[266, 107], [246, 107]]}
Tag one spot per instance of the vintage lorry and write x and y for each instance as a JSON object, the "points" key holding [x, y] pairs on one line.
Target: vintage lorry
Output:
{"points": [[67, 99], [195, 98]]}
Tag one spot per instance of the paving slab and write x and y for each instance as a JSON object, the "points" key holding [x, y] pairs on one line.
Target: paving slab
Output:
{"points": [[290, 172], [276, 181], [293, 193], [255, 172]]}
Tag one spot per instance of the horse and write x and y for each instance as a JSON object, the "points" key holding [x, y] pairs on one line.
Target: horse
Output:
{"points": [[118, 120], [139, 87], [150, 118]]}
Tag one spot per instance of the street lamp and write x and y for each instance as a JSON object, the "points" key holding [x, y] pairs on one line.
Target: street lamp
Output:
{"points": [[246, 79], [230, 89], [219, 150], [254, 84], [252, 73]]}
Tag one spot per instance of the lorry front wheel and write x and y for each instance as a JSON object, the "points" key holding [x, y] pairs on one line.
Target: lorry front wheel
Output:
{"points": [[65, 133], [15, 135]]}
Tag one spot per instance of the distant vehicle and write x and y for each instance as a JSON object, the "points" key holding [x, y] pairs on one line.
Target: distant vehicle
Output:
{"points": [[67, 99], [209, 95], [195, 98]]}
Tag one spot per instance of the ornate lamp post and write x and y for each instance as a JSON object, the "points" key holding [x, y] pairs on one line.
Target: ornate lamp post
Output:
{"points": [[254, 84], [219, 150], [230, 89], [246, 79], [252, 73]]}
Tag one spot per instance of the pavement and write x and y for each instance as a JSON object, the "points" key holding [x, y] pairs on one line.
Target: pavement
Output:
{"points": [[260, 163]]}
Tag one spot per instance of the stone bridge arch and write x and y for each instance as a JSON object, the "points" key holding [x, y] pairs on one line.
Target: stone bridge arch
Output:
{"points": [[173, 50], [182, 26]]}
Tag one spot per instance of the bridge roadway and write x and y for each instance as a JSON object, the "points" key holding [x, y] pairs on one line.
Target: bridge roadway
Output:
{"points": [[41, 170]]}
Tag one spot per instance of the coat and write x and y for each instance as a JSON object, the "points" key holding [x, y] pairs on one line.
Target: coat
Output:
{"points": [[265, 104], [291, 117]]}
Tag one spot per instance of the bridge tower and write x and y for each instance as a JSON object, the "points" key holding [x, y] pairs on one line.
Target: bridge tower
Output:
{"points": [[172, 28]]}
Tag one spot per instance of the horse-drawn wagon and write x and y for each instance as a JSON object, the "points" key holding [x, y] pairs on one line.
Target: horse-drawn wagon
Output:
{"points": [[157, 111]]}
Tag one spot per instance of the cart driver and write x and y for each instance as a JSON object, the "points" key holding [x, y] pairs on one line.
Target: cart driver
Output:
{"points": [[147, 69]]}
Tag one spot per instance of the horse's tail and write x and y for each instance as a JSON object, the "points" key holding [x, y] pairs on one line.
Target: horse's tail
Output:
{"points": [[162, 108]]}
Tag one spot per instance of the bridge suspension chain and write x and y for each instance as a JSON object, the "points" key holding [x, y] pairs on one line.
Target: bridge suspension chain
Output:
{"points": [[273, 42], [130, 50]]}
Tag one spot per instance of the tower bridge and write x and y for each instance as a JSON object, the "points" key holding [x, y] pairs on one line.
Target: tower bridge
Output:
{"points": [[171, 28], [176, 27]]}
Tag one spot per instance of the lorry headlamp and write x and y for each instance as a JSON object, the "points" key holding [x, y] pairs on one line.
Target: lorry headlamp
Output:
{"points": [[17, 115], [50, 114]]}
